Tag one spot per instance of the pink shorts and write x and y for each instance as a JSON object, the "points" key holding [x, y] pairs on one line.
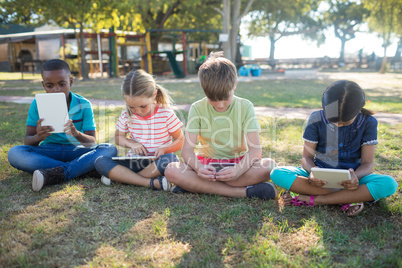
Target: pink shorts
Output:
{"points": [[206, 161]]}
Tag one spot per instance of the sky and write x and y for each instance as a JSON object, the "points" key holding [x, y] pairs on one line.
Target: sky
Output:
{"points": [[296, 47]]}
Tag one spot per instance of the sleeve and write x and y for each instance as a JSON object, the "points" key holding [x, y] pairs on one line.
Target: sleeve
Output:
{"points": [[88, 118], [194, 121], [370, 132], [173, 123], [311, 132], [250, 121], [122, 122], [33, 115]]}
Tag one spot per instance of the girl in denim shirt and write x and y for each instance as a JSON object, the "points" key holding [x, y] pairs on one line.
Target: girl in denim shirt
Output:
{"points": [[341, 136]]}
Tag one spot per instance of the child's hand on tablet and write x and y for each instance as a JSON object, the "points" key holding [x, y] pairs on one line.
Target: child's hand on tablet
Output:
{"points": [[207, 172], [137, 148], [226, 174], [351, 184], [70, 129], [43, 131], [159, 152], [315, 181]]}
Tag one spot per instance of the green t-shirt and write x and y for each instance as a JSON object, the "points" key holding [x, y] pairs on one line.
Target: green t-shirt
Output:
{"points": [[222, 135]]}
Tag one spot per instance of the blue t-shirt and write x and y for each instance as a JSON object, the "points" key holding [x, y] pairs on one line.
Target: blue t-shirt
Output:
{"points": [[340, 147], [80, 112]]}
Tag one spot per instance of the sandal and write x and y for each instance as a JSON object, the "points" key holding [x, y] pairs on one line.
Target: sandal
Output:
{"points": [[296, 202], [163, 183], [346, 207]]}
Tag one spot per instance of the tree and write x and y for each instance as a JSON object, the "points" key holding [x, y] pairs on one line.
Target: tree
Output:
{"points": [[386, 19], [76, 14], [345, 16], [277, 19], [232, 13], [140, 15]]}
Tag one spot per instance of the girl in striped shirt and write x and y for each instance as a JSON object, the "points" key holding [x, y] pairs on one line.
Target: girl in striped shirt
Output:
{"points": [[148, 127]]}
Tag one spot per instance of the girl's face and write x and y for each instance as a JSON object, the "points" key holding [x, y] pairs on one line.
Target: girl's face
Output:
{"points": [[141, 105]]}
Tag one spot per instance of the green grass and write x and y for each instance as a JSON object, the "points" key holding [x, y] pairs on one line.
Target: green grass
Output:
{"points": [[384, 94], [17, 76], [84, 223]]}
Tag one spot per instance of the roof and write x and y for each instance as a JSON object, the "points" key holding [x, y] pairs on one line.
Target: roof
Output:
{"points": [[14, 28]]}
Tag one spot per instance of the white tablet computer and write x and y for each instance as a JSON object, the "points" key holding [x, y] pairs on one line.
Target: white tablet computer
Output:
{"points": [[218, 166], [332, 176], [52, 107], [135, 157]]}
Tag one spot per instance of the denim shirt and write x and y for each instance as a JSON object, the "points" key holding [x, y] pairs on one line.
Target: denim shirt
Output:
{"points": [[340, 147]]}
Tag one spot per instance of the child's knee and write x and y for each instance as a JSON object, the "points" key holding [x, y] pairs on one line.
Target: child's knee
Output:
{"points": [[280, 176], [108, 149], [269, 164], [389, 185], [172, 172], [381, 186]]}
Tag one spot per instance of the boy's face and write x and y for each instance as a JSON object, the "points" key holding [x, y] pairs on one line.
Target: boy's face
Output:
{"points": [[58, 81], [222, 105]]}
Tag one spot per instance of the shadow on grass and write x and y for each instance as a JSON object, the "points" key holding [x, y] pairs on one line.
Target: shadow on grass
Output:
{"points": [[86, 223]]}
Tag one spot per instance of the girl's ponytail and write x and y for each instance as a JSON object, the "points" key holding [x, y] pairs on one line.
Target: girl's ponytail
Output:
{"points": [[162, 96], [366, 112]]}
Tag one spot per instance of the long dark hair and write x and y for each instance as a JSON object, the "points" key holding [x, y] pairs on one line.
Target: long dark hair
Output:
{"points": [[343, 100]]}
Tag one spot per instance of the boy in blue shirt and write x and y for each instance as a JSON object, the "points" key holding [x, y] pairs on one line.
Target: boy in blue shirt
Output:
{"points": [[58, 157]]}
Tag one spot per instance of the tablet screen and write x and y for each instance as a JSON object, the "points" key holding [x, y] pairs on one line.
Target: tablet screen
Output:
{"points": [[137, 157], [218, 166], [332, 176], [52, 107]]}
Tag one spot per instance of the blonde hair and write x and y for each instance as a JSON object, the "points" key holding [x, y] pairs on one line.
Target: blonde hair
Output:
{"points": [[141, 83], [218, 77]]}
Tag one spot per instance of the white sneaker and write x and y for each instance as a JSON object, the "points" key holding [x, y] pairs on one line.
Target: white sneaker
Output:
{"points": [[165, 185], [106, 181], [37, 180]]}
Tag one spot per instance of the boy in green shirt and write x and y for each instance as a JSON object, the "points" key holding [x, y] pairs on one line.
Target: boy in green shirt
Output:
{"points": [[226, 128]]}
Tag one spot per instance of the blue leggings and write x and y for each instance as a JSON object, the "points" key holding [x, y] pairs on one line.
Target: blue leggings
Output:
{"points": [[380, 186]]}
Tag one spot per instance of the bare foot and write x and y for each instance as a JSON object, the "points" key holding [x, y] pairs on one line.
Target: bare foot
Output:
{"points": [[352, 210], [287, 198]]}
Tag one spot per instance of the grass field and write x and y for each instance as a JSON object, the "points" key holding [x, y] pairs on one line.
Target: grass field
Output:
{"points": [[84, 223], [384, 93]]}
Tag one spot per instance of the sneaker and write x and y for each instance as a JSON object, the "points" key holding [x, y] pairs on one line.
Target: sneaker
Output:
{"points": [[165, 185], [177, 190], [50, 176], [265, 190], [106, 181]]}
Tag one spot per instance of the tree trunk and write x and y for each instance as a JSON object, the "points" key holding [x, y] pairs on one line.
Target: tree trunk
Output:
{"points": [[342, 53], [398, 51], [384, 60], [84, 73], [231, 25], [272, 52], [226, 27]]}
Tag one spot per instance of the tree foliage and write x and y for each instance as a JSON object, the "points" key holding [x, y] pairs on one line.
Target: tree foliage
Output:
{"points": [[386, 19], [346, 16]]}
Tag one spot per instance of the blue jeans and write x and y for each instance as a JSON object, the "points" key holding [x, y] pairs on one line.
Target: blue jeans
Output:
{"points": [[379, 186], [75, 160], [104, 164]]}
